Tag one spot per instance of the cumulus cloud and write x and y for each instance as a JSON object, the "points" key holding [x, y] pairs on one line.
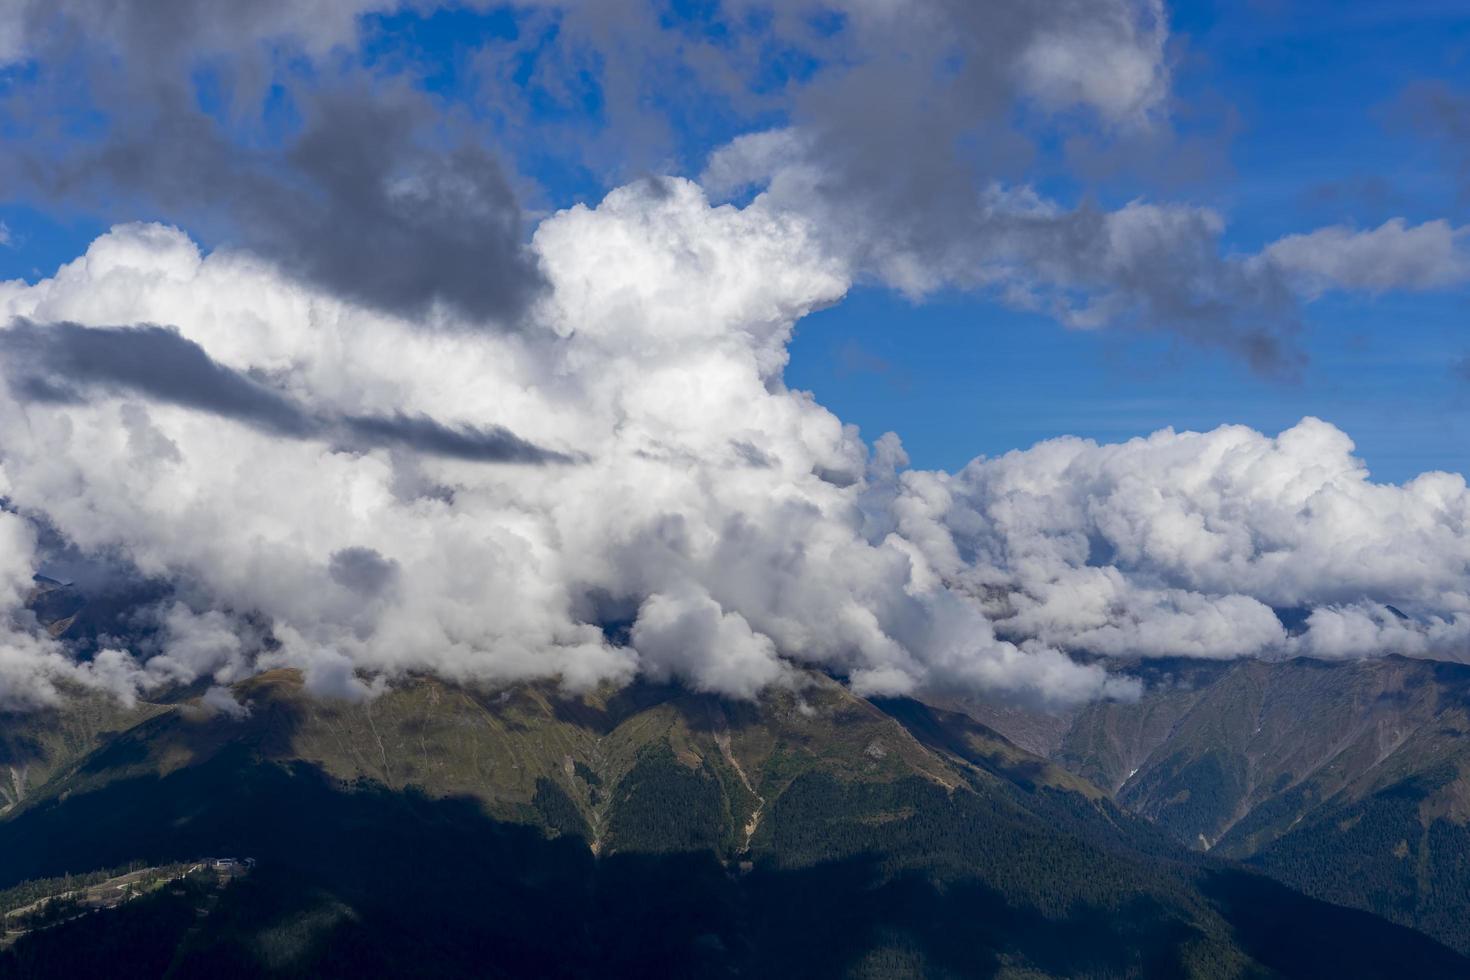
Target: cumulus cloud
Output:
{"points": [[713, 526], [1392, 256], [1201, 544], [717, 514], [303, 434], [693, 637]]}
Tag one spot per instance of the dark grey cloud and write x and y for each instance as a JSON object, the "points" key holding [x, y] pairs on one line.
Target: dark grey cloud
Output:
{"points": [[165, 35], [391, 218], [908, 115], [68, 362], [59, 361], [906, 158], [489, 444], [911, 114], [362, 570], [371, 189]]}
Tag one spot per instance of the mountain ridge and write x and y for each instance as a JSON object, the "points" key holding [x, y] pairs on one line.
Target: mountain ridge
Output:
{"points": [[1298, 767], [756, 828]]}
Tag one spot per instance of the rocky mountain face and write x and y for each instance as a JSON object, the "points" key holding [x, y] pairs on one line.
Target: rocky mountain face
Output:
{"points": [[1347, 779], [646, 831]]}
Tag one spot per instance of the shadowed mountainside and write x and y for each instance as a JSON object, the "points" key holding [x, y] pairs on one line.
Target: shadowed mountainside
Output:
{"points": [[1347, 779], [649, 831]]}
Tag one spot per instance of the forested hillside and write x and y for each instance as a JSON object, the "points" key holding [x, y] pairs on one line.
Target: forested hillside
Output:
{"points": [[648, 831], [1347, 779]]}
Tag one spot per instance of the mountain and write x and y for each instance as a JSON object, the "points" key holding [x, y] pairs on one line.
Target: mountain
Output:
{"points": [[34, 745], [1349, 780], [650, 831], [56, 605]]}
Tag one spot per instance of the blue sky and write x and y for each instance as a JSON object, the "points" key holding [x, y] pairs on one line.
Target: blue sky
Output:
{"points": [[1290, 117], [1315, 142]]}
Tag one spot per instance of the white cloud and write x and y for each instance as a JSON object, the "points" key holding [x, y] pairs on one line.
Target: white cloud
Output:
{"points": [[1184, 543], [730, 528], [221, 700], [715, 511], [692, 637], [1392, 256]]}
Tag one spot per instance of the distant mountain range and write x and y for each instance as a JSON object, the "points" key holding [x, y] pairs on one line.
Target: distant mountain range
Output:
{"points": [[652, 831], [1349, 780]]}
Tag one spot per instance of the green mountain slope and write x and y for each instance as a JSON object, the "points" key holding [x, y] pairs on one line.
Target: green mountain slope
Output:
{"points": [[36, 746], [649, 831], [1349, 780]]}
